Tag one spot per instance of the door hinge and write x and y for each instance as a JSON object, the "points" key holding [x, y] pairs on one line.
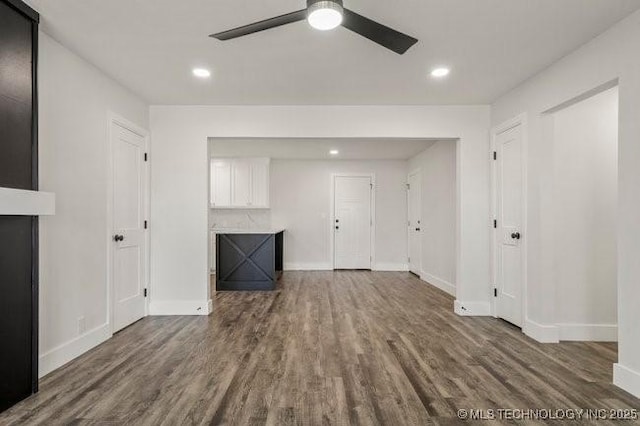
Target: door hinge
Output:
{"points": [[409, 259], [495, 155], [145, 292], [408, 186], [495, 292], [146, 157], [495, 223], [146, 225]]}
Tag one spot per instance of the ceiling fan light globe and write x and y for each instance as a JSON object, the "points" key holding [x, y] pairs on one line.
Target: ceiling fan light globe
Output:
{"points": [[325, 15]]}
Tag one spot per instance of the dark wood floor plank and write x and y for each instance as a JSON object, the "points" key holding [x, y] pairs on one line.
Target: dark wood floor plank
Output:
{"points": [[325, 348]]}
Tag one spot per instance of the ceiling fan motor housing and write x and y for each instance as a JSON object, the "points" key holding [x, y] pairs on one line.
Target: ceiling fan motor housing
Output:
{"points": [[313, 5]]}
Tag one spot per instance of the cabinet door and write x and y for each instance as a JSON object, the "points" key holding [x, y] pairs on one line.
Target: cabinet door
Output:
{"points": [[220, 183], [260, 183], [241, 183]]}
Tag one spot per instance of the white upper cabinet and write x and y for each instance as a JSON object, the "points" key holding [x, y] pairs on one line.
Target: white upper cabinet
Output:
{"points": [[240, 183], [220, 183], [260, 182]]}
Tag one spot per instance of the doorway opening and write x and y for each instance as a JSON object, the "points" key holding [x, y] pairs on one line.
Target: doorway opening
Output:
{"points": [[585, 206], [433, 213]]}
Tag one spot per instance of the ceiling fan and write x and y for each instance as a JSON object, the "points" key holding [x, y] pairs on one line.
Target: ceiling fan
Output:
{"points": [[327, 15]]}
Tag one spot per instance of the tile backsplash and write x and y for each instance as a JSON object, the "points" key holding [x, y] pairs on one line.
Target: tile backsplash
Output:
{"points": [[242, 219]]}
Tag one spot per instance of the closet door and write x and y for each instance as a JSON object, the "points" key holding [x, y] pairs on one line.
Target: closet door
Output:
{"points": [[18, 234]]}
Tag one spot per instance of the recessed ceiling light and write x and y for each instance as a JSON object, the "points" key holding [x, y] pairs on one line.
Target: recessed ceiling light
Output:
{"points": [[201, 72], [334, 152], [325, 15], [440, 72]]}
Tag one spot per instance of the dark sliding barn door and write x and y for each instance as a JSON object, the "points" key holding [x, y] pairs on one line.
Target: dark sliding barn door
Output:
{"points": [[18, 234]]}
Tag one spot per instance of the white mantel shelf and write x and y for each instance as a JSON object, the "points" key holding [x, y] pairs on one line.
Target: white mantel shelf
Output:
{"points": [[20, 202]]}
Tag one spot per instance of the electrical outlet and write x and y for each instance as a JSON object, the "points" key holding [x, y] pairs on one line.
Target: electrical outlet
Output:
{"points": [[82, 325]]}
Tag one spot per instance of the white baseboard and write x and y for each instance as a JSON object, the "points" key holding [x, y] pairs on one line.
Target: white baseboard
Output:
{"points": [[627, 379], [443, 285], [588, 332], [390, 267], [308, 267], [60, 355], [179, 307], [472, 309], [540, 332]]}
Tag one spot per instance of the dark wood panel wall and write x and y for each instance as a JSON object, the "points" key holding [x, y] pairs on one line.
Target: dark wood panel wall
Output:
{"points": [[18, 234]]}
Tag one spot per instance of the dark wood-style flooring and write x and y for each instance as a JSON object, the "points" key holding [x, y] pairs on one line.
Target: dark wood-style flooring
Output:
{"points": [[327, 348]]}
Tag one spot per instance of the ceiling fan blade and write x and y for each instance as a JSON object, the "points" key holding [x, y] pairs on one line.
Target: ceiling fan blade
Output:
{"points": [[378, 33], [278, 21]]}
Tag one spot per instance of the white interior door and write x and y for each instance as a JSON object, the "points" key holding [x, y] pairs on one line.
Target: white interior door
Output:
{"points": [[129, 185], [352, 222], [508, 233], [415, 222]]}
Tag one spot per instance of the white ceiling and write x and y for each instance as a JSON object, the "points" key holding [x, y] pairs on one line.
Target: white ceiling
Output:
{"points": [[150, 46], [318, 149]]}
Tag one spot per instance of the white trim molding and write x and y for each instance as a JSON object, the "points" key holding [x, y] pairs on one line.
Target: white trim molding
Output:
{"points": [[180, 307], [21, 202], [390, 267], [627, 379], [443, 285], [61, 355], [540, 332], [472, 309], [588, 332]]}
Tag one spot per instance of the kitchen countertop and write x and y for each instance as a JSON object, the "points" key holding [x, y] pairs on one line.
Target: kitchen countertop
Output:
{"points": [[247, 230]]}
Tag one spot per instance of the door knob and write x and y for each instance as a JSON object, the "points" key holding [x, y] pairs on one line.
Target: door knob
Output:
{"points": [[417, 229], [117, 238], [515, 235], [337, 227]]}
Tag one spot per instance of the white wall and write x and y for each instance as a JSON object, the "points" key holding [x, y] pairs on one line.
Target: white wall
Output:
{"points": [[586, 201], [611, 56], [75, 99], [437, 165], [179, 201], [301, 202]]}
